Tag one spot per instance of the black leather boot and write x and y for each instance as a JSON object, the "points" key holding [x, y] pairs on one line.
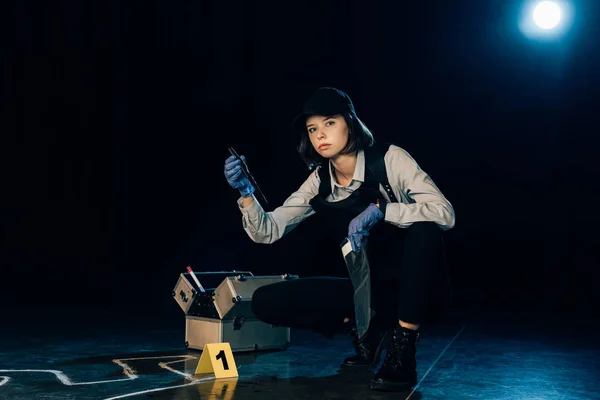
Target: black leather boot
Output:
{"points": [[399, 369], [368, 348]]}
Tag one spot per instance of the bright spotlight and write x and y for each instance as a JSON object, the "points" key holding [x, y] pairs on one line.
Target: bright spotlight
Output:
{"points": [[547, 15], [546, 20]]}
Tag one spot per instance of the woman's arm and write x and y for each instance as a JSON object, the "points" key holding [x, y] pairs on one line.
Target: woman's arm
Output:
{"points": [[246, 201], [268, 227], [420, 199]]}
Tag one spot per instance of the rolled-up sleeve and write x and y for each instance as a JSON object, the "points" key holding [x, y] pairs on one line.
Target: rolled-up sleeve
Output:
{"points": [[422, 200], [268, 227]]}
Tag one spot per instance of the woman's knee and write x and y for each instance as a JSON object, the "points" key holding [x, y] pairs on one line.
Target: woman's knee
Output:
{"points": [[260, 300], [264, 303]]}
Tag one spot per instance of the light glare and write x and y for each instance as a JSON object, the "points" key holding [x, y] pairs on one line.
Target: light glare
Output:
{"points": [[547, 15], [546, 21]]}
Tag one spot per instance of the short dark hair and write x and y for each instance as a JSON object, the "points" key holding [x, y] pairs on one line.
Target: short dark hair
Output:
{"points": [[359, 138]]}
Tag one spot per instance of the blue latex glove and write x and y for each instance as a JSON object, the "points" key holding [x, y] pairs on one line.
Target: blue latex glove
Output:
{"points": [[362, 224], [235, 177]]}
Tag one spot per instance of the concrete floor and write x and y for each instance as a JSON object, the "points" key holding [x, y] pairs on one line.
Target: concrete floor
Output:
{"points": [[477, 355]]}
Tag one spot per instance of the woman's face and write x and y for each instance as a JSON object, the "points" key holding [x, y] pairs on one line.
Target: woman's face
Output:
{"points": [[328, 135]]}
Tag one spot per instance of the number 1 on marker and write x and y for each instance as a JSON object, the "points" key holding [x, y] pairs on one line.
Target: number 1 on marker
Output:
{"points": [[217, 358], [221, 356]]}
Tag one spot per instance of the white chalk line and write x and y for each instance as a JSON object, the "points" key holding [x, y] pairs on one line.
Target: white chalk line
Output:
{"points": [[64, 379], [176, 371], [435, 362], [197, 381], [129, 372]]}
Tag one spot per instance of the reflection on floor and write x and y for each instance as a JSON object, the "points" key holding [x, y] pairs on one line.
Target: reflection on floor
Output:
{"points": [[473, 356]]}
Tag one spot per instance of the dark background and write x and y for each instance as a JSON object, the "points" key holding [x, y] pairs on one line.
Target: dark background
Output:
{"points": [[116, 117]]}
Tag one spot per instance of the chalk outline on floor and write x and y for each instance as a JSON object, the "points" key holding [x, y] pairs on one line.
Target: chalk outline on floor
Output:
{"points": [[129, 372]]}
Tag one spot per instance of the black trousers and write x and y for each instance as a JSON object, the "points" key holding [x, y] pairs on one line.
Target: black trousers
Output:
{"points": [[415, 291]]}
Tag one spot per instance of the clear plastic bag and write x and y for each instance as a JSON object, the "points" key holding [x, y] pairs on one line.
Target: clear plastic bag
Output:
{"points": [[360, 275]]}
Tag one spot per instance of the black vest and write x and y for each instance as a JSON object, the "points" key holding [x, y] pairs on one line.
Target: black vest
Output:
{"points": [[334, 218]]}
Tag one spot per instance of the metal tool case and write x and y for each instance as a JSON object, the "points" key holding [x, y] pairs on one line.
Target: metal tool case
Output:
{"points": [[222, 313]]}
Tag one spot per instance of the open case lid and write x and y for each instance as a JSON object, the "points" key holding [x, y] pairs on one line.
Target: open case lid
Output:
{"points": [[211, 280], [186, 290]]}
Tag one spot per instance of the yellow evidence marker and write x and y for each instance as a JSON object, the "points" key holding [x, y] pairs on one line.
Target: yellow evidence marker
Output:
{"points": [[217, 358]]}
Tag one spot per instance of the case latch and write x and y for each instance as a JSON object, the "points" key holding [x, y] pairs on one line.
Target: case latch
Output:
{"points": [[238, 322], [184, 298]]}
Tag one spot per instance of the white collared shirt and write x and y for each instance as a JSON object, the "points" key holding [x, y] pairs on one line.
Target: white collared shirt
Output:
{"points": [[419, 199], [341, 192]]}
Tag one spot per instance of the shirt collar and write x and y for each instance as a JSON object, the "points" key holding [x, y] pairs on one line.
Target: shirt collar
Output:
{"points": [[359, 170]]}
